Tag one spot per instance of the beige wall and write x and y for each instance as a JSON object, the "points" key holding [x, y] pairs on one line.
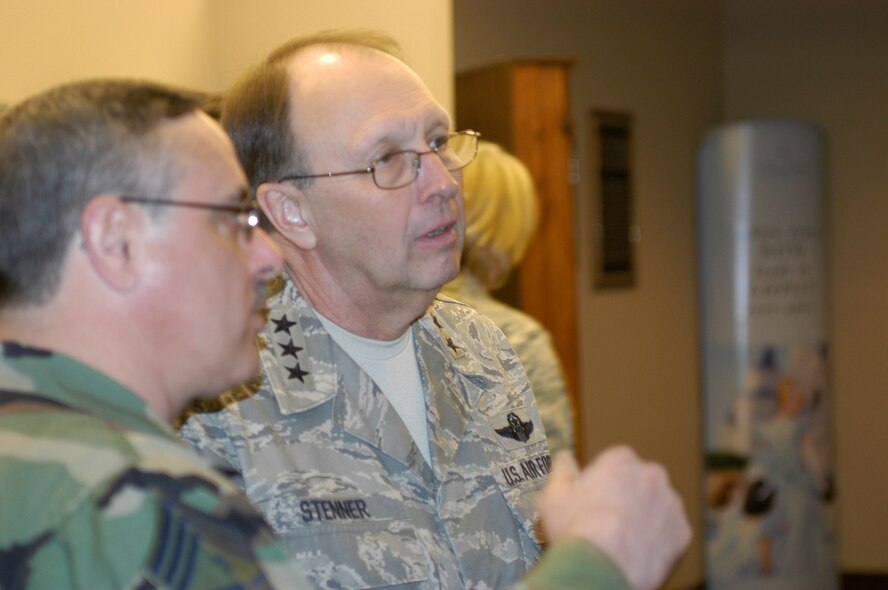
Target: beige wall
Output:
{"points": [[662, 62], [825, 62], [44, 42], [247, 30], [198, 43]]}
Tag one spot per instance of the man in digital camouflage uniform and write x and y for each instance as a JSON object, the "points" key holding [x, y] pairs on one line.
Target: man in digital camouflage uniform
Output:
{"points": [[129, 284], [392, 438]]}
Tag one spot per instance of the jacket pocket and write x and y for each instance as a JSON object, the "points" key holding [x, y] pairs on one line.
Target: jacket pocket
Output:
{"points": [[343, 543]]}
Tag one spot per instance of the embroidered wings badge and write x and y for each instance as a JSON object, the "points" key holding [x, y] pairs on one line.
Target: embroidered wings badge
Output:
{"points": [[516, 429]]}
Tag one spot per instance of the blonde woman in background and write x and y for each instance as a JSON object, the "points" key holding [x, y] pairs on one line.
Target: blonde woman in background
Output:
{"points": [[501, 220]]}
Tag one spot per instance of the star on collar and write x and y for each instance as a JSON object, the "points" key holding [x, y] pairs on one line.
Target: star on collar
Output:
{"points": [[283, 324], [457, 351], [289, 348], [296, 373]]}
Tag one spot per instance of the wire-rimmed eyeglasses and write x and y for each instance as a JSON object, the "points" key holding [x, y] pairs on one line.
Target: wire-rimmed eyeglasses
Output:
{"points": [[246, 215], [398, 169]]}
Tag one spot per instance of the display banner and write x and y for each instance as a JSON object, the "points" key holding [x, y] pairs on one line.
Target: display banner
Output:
{"points": [[769, 473]]}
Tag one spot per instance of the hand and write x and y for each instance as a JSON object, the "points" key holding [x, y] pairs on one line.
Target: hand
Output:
{"points": [[624, 506]]}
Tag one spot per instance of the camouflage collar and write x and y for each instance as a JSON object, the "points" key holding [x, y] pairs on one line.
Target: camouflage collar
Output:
{"points": [[75, 385]]}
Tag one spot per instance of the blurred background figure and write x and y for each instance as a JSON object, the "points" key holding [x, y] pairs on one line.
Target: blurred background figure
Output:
{"points": [[501, 220]]}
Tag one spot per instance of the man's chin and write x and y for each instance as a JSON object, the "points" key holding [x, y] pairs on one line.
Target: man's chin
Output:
{"points": [[250, 371], [444, 274], [245, 371]]}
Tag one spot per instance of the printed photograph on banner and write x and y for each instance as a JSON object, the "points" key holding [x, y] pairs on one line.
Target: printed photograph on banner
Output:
{"points": [[769, 473]]}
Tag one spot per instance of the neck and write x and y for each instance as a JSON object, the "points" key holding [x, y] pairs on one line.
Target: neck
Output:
{"points": [[361, 310], [89, 338]]}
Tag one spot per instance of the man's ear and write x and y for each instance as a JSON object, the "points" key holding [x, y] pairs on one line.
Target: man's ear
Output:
{"points": [[287, 208], [108, 232]]}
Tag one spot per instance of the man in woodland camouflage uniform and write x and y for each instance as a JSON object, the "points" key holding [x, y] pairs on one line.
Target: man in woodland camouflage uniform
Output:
{"points": [[392, 438], [130, 282]]}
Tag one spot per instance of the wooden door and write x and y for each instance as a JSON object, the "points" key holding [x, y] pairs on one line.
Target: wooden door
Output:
{"points": [[524, 106]]}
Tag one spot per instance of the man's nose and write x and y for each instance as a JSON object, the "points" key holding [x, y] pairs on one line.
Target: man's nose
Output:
{"points": [[435, 179], [265, 257]]}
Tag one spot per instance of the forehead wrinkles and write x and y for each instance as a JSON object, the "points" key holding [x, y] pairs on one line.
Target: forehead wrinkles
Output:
{"points": [[403, 114], [397, 131]]}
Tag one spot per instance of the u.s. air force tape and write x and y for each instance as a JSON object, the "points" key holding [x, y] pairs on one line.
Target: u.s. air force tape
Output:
{"points": [[525, 470]]}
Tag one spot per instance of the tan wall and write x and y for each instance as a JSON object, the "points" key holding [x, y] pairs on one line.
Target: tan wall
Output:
{"points": [[824, 61], [247, 30], [198, 43], [661, 61], [45, 42]]}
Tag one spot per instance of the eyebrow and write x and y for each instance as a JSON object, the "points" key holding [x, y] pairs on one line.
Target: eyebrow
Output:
{"points": [[366, 146], [395, 137]]}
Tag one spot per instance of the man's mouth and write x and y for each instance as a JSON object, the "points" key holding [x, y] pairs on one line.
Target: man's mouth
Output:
{"points": [[442, 229], [261, 290], [439, 231]]}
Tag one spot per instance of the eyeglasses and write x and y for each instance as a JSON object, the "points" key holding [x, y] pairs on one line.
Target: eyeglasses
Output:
{"points": [[246, 215], [398, 169]]}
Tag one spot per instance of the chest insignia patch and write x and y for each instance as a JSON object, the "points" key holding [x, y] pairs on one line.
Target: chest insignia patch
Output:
{"points": [[516, 428]]}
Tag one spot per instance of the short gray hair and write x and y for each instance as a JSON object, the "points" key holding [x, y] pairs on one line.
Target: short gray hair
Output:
{"points": [[59, 149]]}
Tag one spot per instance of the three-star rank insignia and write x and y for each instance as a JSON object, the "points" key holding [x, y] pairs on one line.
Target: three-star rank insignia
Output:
{"points": [[289, 348]]}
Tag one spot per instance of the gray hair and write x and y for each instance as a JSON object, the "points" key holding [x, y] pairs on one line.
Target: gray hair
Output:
{"points": [[58, 150]]}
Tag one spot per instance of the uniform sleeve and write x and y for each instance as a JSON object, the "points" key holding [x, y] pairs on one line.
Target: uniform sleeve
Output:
{"points": [[574, 564], [546, 378], [161, 530]]}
